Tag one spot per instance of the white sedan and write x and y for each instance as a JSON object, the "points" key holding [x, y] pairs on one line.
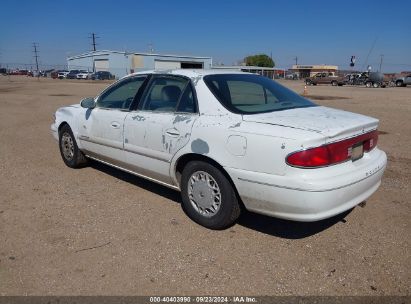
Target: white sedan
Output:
{"points": [[227, 141], [83, 75]]}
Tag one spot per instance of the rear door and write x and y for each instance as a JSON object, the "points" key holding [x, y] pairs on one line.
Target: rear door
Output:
{"points": [[160, 126]]}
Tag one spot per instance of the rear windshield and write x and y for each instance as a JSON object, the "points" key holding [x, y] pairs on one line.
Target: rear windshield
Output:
{"points": [[251, 94]]}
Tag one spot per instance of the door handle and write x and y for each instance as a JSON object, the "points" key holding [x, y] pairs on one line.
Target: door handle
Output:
{"points": [[173, 132], [115, 125]]}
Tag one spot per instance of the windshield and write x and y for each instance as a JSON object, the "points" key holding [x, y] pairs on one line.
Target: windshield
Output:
{"points": [[251, 94]]}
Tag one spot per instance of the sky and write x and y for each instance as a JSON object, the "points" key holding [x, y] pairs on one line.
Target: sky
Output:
{"points": [[317, 32]]}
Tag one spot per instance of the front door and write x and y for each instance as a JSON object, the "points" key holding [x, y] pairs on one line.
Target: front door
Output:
{"points": [[101, 129], [161, 126]]}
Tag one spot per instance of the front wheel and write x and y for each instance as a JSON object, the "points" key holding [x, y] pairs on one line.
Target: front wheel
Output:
{"points": [[208, 197], [399, 84], [368, 84], [71, 154], [334, 83]]}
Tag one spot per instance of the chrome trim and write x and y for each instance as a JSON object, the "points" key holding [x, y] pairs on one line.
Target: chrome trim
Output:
{"points": [[135, 173], [310, 190]]}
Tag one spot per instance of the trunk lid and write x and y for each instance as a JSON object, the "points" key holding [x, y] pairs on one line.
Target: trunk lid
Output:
{"points": [[329, 122]]}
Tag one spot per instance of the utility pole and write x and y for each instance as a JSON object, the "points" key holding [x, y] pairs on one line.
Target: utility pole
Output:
{"points": [[36, 56], [151, 47], [382, 57], [93, 40], [296, 60]]}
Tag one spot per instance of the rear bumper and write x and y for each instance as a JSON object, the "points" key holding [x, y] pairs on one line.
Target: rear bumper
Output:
{"points": [[309, 198]]}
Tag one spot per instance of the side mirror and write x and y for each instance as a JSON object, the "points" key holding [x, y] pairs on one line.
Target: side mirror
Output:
{"points": [[88, 103]]}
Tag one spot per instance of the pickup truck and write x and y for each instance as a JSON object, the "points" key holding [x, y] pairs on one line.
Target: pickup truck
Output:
{"points": [[325, 78], [403, 81]]}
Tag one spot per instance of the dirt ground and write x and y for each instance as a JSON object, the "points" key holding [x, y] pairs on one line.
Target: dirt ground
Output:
{"points": [[98, 231]]}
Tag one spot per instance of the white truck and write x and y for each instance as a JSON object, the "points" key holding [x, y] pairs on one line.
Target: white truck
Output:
{"points": [[403, 81]]}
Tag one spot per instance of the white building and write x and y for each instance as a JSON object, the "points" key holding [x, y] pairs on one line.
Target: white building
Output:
{"points": [[264, 71], [123, 63]]}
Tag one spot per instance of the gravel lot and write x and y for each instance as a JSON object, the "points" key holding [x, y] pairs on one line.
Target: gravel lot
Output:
{"points": [[98, 231]]}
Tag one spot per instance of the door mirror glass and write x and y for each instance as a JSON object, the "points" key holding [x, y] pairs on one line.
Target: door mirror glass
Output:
{"points": [[88, 103]]}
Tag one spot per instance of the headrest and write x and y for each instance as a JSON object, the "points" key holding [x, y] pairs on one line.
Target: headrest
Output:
{"points": [[170, 93]]}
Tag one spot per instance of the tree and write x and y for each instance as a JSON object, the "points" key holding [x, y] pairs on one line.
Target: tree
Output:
{"points": [[261, 60]]}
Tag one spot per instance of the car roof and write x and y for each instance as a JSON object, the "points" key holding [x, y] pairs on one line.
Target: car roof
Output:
{"points": [[191, 73]]}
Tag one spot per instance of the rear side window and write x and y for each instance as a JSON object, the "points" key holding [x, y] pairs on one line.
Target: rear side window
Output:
{"points": [[187, 102], [169, 94]]}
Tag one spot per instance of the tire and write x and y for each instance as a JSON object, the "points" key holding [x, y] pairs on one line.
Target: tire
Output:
{"points": [[334, 83], [368, 84], [376, 85], [71, 154], [399, 83], [208, 197], [308, 82]]}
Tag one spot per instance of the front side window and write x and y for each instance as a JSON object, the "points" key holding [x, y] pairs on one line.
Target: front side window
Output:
{"points": [[121, 95], [250, 94], [169, 94]]}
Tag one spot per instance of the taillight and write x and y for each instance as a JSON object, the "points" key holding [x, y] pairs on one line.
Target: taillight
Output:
{"points": [[371, 143], [333, 153]]}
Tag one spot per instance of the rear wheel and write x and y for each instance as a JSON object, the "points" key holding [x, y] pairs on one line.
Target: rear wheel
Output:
{"points": [[71, 154], [399, 83], [368, 84], [208, 197], [308, 82], [376, 85], [334, 83]]}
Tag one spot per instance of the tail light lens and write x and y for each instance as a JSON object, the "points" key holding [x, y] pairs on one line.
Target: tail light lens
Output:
{"points": [[333, 153]]}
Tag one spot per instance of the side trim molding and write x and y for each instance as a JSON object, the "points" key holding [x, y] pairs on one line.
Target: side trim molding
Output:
{"points": [[135, 173]]}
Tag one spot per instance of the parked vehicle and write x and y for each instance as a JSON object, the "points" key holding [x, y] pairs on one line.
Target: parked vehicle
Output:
{"points": [[403, 81], [62, 74], [227, 139], [325, 78], [102, 75], [369, 79], [19, 72], [83, 75], [375, 80], [72, 74], [54, 74], [292, 76]]}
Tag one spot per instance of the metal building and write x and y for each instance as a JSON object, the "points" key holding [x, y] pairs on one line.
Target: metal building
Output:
{"points": [[124, 63], [272, 73], [304, 71]]}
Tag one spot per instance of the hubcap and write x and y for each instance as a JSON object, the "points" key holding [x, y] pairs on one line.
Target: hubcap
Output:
{"points": [[67, 146], [204, 193]]}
